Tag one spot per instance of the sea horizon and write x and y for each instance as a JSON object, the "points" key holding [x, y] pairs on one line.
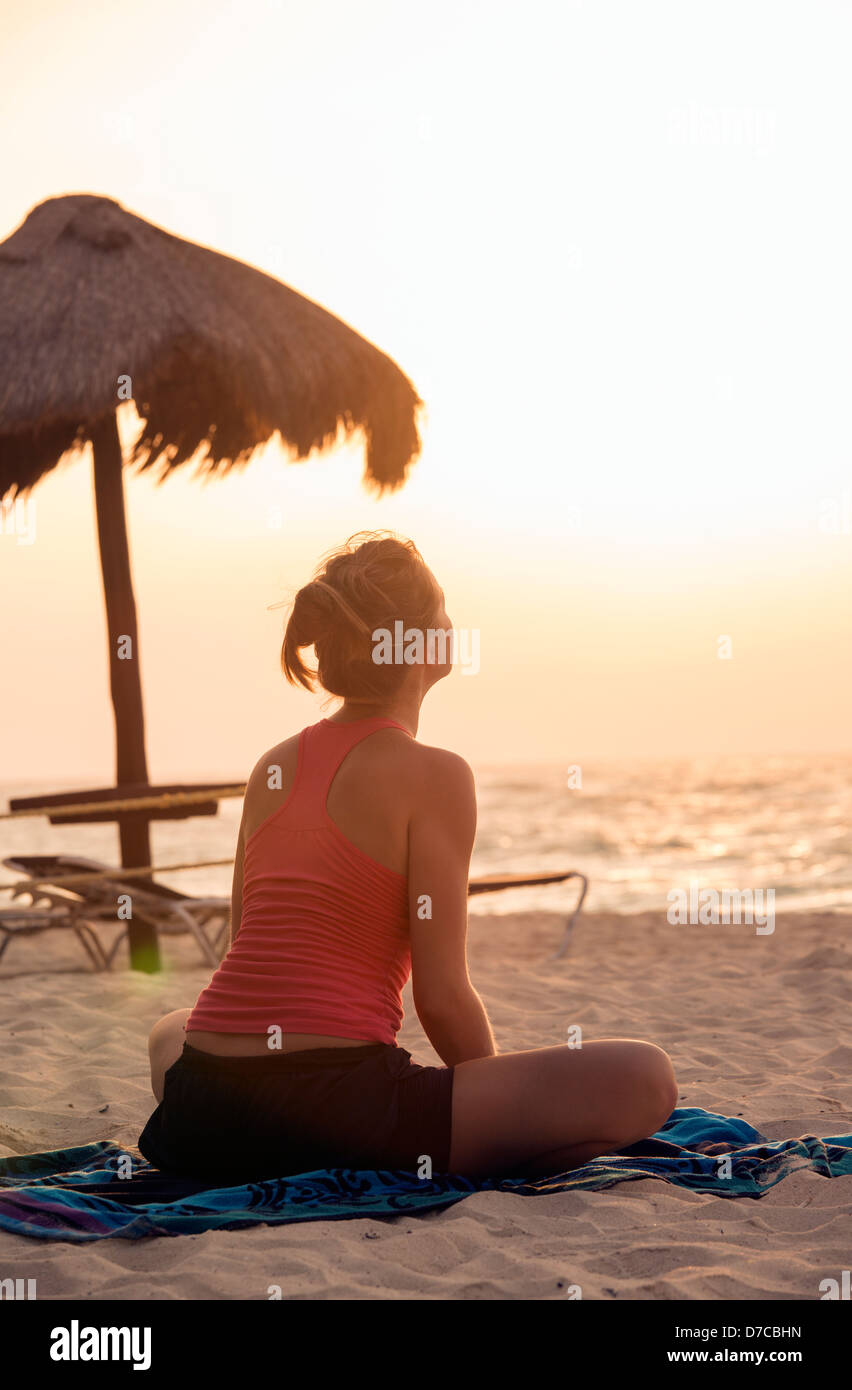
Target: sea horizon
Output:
{"points": [[638, 828]]}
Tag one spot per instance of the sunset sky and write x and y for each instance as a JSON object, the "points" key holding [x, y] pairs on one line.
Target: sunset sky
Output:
{"points": [[623, 290]]}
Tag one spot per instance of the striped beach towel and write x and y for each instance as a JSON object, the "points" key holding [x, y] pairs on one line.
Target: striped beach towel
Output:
{"points": [[101, 1190]]}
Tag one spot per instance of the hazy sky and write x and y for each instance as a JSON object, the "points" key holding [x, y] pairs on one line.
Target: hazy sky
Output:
{"points": [[609, 243]]}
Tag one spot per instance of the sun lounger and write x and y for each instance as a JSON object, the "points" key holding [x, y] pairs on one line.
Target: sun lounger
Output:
{"points": [[27, 921], [165, 908], [495, 883]]}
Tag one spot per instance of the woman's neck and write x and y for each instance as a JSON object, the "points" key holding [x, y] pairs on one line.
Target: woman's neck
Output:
{"points": [[405, 709]]}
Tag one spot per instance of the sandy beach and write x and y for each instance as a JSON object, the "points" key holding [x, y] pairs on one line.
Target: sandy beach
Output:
{"points": [[755, 1026]]}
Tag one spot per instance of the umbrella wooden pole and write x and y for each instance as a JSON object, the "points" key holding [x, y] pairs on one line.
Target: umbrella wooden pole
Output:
{"points": [[124, 675]]}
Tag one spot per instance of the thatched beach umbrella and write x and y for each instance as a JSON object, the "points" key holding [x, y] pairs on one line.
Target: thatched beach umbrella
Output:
{"points": [[98, 306]]}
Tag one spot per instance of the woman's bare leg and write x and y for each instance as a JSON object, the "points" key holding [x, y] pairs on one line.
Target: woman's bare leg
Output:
{"points": [[557, 1107], [165, 1044]]}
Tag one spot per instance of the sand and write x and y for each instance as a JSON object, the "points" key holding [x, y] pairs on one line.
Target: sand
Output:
{"points": [[755, 1026]]}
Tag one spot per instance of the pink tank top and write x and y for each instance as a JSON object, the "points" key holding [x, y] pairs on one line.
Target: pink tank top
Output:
{"points": [[323, 944]]}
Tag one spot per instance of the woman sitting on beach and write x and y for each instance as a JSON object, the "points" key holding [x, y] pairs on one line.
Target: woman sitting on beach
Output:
{"points": [[351, 872]]}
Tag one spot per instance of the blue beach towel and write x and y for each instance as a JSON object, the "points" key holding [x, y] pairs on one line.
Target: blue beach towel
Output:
{"points": [[79, 1194]]}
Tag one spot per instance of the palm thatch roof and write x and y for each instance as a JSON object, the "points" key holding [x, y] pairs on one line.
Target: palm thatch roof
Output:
{"points": [[218, 353]]}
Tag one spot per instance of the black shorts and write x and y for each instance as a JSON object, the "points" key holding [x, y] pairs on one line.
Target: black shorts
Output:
{"points": [[243, 1119]]}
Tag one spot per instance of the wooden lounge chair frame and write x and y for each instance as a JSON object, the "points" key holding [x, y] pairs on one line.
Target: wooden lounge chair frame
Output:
{"points": [[170, 911], [27, 921], [495, 883]]}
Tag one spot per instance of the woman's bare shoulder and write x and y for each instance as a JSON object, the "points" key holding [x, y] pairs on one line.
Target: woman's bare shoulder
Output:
{"points": [[275, 764], [440, 772]]}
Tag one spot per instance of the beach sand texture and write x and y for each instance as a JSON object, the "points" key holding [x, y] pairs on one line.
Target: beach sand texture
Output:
{"points": [[756, 1026]]}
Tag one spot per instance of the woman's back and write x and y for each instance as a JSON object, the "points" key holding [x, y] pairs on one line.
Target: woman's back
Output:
{"points": [[322, 947], [368, 796]]}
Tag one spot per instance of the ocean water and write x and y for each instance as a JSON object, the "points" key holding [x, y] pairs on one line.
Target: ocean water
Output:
{"points": [[637, 829]]}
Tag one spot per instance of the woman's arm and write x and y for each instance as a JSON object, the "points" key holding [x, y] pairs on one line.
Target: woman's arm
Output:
{"points": [[440, 842]]}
